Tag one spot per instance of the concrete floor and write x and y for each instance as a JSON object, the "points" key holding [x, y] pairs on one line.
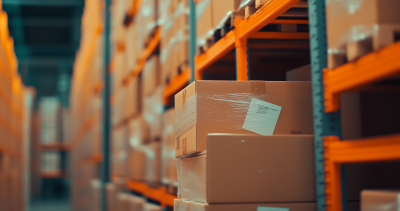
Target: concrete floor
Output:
{"points": [[50, 205]]}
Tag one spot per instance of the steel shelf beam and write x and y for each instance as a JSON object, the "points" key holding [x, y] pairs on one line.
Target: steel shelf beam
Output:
{"points": [[386, 148], [324, 124], [369, 69], [154, 43]]}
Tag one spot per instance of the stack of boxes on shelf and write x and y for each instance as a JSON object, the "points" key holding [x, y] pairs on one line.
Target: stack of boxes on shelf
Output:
{"points": [[13, 124], [86, 109], [51, 133], [243, 145]]}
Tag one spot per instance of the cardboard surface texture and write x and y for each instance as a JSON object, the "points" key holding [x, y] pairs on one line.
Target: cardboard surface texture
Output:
{"points": [[222, 106], [250, 169], [181, 205], [380, 200]]}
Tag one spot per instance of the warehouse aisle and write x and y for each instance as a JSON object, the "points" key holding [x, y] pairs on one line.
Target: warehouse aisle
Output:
{"points": [[50, 205]]}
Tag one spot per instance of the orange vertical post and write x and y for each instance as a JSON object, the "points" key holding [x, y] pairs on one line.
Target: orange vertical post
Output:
{"points": [[241, 55], [333, 184]]}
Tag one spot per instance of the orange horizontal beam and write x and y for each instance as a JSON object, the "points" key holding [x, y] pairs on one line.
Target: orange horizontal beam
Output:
{"points": [[383, 148], [56, 146], [268, 13], [369, 69], [54, 174], [278, 46], [176, 85], [217, 51], [281, 35], [133, 11], [159, 195], [154, 42]]}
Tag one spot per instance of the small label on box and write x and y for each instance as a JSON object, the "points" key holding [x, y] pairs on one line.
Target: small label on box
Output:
{"points": [[272, 209], [262, 117]]}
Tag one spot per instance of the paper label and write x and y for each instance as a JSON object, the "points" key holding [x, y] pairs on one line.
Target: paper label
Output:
{"points": [[272, 209], [262, 117]]}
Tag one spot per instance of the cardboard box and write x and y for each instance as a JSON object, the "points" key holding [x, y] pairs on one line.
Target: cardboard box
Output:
{"points": [[153, 108], [136, 203], [51, 161], [132, 106], [153, 164], [123, 202], [132, 53], [181, 205], [222, 9], [299, 74], [204, 21], [149, 17], [250, 169], [348, 22], [151, 75], [152, 207], [380, 200], [137, 165], [223, 106], [119, 151], [169, 172], [138, 132]]}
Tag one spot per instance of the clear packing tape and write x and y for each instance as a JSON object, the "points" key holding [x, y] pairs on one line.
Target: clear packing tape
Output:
{"points": [[229, 111]]}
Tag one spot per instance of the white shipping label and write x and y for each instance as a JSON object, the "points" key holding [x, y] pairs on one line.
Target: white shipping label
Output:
{"points": [[272, 209], [262, 117]]}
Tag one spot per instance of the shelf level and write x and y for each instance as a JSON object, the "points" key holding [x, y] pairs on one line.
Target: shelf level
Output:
{"points": [[56, 146], [152, 46], [54, 174], [386, 148], [159, 195], [176, 85], [369, 69], [217, 51]]}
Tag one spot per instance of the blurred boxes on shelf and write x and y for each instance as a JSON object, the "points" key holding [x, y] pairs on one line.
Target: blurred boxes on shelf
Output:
{"points": [[355, 29], [204, 21], [169, 171], [181, 205], [153, 107], [50, 112], [151, 76], [245, 107], [380, 200], [174, 45], [250, 169], [222, 9], [152, 207], [147, 17], [136, 203], [132, 105], [119, 151], [51, 161], [153, 164]]}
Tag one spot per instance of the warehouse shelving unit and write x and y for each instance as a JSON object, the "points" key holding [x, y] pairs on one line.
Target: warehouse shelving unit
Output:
{"points": [[159, 195], [330, 151]]}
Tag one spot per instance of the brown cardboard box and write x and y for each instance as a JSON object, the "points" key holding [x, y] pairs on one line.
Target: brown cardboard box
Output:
{"points": [[250, 169], [149, 17], [350, 22], [138, 132], [153, 164], [181, 205], [153, 108], [137, 165], [222, 106], [136, 203], [151, 75], [169, 173], [380, 200], [221, 9], [299, 74], [152, 207], [132, 106], [119, 151], [204, 21]]}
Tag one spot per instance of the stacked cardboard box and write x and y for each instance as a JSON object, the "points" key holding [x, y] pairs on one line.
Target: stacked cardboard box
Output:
{"points": [[258, 124], [355, 30]]}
